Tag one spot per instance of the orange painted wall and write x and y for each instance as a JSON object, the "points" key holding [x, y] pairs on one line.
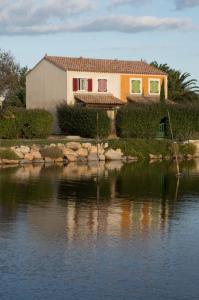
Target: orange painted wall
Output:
{"points": [[125, 84]]}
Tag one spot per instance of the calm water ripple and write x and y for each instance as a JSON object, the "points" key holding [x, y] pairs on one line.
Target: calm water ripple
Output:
{"points": [[91, 232]]}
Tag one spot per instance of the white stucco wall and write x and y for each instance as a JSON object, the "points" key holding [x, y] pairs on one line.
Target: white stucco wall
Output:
{"points": [[113, 81], [46, 87]]}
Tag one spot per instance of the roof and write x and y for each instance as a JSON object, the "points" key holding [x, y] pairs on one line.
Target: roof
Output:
{"points": [[146, 100], [99, 99], [103, 65]]}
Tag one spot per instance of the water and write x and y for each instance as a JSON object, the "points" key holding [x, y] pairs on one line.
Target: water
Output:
{"points": [[99, 232]]}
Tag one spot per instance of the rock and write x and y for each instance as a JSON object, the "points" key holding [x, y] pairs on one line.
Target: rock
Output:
{"points": [[167, 157], [82, 159], [52, 145], [70, 154], [36, 154], [35, 148], [38, 161], [189, 157], [86, 145], [59, 159], [113, 154], [24, 149], [102, 157], [60, 145], [73, 145], [49, 160], [9, 161], [25, 161], [132, 158], [153, 157], [17, 152], [28, 156], [93, 157], [82, 152], [93, 149], [105, 145]]}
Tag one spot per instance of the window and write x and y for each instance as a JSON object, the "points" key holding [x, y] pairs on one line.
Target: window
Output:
{"points": [[154, 86], [102, 85], [82, 84], [136, 86]]}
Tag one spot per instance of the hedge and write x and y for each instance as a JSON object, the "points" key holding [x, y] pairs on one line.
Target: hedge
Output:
{"points": [[83, 121], [25, 124], [143, 121]]}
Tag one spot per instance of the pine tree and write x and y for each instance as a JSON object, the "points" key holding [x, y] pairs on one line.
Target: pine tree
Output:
{"points": [[162, 93]]}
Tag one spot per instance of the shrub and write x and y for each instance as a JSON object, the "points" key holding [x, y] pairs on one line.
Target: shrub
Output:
{"points": [[83, 121], [143, 121], [51, 152], [25, 124], [33, 123], [138, 121], [8, 154], [8, 128]]}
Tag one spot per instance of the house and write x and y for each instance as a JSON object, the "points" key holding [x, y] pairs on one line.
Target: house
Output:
{"points": [[91, 82]]}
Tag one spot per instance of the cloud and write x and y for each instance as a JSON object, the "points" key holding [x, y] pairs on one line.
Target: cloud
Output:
{"points": [[125, 2], [15, 14], [133, 24], [182, 4], [54, 16]]}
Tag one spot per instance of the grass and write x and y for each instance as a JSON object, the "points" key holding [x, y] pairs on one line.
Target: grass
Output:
{"points": [[142, 147], [8, 154], [30, 142]]}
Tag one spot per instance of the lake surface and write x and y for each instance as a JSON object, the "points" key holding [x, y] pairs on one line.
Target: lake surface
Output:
{"points": [[94, 232]]}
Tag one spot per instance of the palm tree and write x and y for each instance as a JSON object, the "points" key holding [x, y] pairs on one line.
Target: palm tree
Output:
{"points": [[181, 88]]}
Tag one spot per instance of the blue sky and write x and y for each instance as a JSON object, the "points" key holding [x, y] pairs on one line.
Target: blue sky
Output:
{"points": [[166, 31]]}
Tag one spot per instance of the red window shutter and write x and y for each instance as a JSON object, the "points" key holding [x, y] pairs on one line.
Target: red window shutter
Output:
{"points": [[75, 84], [90, 85], [102, 85], [105, 85]]}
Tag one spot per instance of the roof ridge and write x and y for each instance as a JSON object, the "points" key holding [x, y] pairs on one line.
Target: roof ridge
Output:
{"points": [[93, 58]]}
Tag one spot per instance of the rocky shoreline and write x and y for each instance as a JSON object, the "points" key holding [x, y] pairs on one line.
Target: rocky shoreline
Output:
{"points": [[74, 152]]}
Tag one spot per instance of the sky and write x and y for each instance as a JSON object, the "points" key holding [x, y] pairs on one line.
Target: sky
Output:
{"points": [[163, 30]]}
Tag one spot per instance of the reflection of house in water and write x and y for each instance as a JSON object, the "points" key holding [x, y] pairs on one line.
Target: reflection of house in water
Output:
{"points": [[96, 200]]}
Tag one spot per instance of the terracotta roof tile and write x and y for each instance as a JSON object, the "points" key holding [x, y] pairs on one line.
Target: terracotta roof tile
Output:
{"points": [[103, 65], [98, 99]]}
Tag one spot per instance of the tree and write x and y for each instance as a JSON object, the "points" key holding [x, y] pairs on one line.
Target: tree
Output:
{"points": [[12, 83], [181, 88], [162, 93]]}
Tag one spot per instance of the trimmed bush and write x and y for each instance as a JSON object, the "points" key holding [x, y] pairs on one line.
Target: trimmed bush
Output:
{"points": [[51, 152], [27, 124], [8, 154], [8, 128], [143, 121], [138, 121], [83, 121]]}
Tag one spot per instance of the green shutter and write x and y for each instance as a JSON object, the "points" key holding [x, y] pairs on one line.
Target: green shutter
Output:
{"points": [[136, 86], [154, 87]]}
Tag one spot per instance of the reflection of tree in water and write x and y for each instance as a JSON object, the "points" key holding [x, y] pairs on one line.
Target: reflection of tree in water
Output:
{"points": [[22, 186]]}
